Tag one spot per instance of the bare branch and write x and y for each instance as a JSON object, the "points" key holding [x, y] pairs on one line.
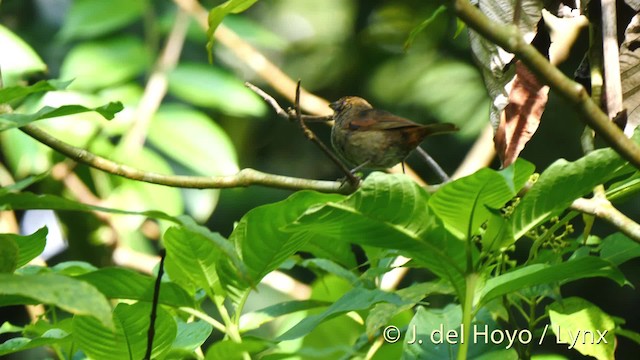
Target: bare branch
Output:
{"points": [[245, 177], [603, 209]]}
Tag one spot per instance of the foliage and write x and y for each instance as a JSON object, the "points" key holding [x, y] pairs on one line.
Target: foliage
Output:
{"points": [[465, 240]]}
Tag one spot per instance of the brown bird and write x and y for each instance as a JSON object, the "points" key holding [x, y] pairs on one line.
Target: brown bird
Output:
{"points": [[376, 139]]}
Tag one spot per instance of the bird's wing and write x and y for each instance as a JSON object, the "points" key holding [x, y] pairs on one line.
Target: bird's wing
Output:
{"points": [[374, 119]]}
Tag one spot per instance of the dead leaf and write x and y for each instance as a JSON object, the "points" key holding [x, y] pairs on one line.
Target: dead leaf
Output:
{"points": [[630, 74], [520, 118]]}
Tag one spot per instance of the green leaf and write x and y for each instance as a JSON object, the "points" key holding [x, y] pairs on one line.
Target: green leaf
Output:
{"points": [[24, 183], [16, 92], [196, 142], [129, 340], [463, 204], [538, 274], [618, 248], [356, 299], [27, 201], [74, 296], [229, 350], [192, 258], [8, 254], [332, 268], [208, 86], [100, 64], [255, 319], [30, 246], [14, 120], [499, 234], [437, 335], [423, 26], [381, 314], [581, 324], [562, 183], [389, 212], [119, 283], [90, 18], [23, 60], [7, 328], [190, 336], [218, 13], [259, 236], [49, 338]]}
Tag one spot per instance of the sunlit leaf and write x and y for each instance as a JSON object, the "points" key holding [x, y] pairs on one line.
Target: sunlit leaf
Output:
{"points": [[13, 120], [99, 64], [74, 296], [584, 326], [208, 86], [23, 59], [129, 340], [90, 18], [219, 12]]}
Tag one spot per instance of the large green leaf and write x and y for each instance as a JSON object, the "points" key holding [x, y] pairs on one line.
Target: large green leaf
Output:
{"points": [[119, 283], [192, 258], [436, 334], [381, 315], [230, 350], [584, 326], [16, 92], [356, 299], [91, 18], [255, 319], [197, 142], [538, 274], [27, 201], [219, 12], [562, 183], [8, 254], [49, 338], [23, 59], [208, 86], [389, 212], [259, 235], [463, 204], [618, 248], [29, 246], [99, 64], [190, 336], [74, 296], [13, 120], [129, 340]]}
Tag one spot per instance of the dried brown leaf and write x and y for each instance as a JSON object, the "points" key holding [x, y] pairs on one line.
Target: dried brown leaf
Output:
{"points": [[520, 118]]}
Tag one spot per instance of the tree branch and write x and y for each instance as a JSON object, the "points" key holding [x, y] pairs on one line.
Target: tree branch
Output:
{"points": [[509, 38], [602, 208], [245, 177]]}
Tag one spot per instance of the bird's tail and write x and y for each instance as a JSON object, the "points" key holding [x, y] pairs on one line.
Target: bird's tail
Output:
{"points": [[440, 128]]}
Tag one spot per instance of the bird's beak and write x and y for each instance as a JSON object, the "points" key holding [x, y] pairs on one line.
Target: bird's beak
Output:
{"points": [[335, 105]]}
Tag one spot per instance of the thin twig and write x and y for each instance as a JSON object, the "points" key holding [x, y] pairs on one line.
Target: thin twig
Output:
{"points": [[246, 177], [433, 165], [353, 180], [156, 87], [154, 306], [291, 116]]}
